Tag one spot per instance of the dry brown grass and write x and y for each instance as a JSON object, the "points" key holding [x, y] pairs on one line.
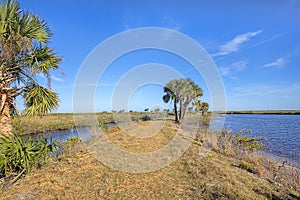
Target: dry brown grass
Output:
{"points": [[252, 161], [216, 176]]}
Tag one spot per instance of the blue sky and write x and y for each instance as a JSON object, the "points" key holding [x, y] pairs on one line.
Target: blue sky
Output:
{"points": [[255, 45]]}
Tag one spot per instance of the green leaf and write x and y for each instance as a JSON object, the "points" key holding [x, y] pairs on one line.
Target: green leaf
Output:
{"points": [[40, 100]]}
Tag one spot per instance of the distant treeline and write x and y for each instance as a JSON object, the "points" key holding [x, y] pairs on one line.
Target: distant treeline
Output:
{"points": [[273, 112]]}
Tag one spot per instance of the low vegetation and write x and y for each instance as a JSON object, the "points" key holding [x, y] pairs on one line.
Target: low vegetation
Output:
{"points": [[19, 156], [230, 170]]}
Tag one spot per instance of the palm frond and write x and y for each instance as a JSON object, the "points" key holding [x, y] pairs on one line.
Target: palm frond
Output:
{"points": [[39, 100], [8, 14], [166, 98], [30, 26], [42, 59]]}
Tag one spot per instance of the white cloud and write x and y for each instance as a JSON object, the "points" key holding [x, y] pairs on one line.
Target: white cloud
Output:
{"points": [[56, 78], [233, 68], [240, 65], [225, 71], [234, 45], [280, 62]]}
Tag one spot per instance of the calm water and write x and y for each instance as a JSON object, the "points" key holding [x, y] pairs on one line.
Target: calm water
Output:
{"points": [[282, 132]]}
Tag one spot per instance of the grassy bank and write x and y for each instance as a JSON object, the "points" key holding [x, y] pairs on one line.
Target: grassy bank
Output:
{"points": [[228, 171]]}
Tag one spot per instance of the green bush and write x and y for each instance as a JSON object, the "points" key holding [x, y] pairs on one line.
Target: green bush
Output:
{"points": [[145, 118], [21, 155], [72, 141], [249, 143], [103, 125]]}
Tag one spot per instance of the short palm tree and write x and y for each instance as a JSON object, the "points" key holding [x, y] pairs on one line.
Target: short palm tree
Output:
{"points": [[204, 108], [25, 53]]}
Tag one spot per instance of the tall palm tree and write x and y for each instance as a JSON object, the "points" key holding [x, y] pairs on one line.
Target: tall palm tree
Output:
{"points": [[182, 91], [170, 96], [191, 93], [24, 54]]}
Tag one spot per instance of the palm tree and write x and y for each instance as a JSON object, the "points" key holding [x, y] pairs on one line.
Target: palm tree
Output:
{"points": [[24, 55], [190, 92], [204, 108], [182, 91], [171, 96]]}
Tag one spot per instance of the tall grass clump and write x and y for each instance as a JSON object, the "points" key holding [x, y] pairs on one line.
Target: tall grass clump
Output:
{"points": [[20, 155]]}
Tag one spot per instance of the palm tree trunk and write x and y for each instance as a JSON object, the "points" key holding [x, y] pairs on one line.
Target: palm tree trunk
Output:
{"points": [[175, 110], [180, 110], [183, 112], [5, 122]]}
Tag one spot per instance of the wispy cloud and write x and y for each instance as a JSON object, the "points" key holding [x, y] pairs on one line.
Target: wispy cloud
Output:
{"points": [[54, 78], [280, 62], [233, 68], [234, 44], [169, 22], [126, 26]]}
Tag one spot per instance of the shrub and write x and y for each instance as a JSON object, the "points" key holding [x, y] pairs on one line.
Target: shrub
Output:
{"points": [[72, 141], [18, 154], [103, 125], [249, 143], [145, 118]]}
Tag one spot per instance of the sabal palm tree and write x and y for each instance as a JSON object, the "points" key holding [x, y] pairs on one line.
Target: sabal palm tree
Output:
{"points": [[24, 54], [204, 107], [191, 93], [170, 96], [182, 91]]}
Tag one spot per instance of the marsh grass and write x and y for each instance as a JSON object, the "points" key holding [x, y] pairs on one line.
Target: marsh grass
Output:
{"points": [[244, 149], [60, 121], [226, 172]]}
